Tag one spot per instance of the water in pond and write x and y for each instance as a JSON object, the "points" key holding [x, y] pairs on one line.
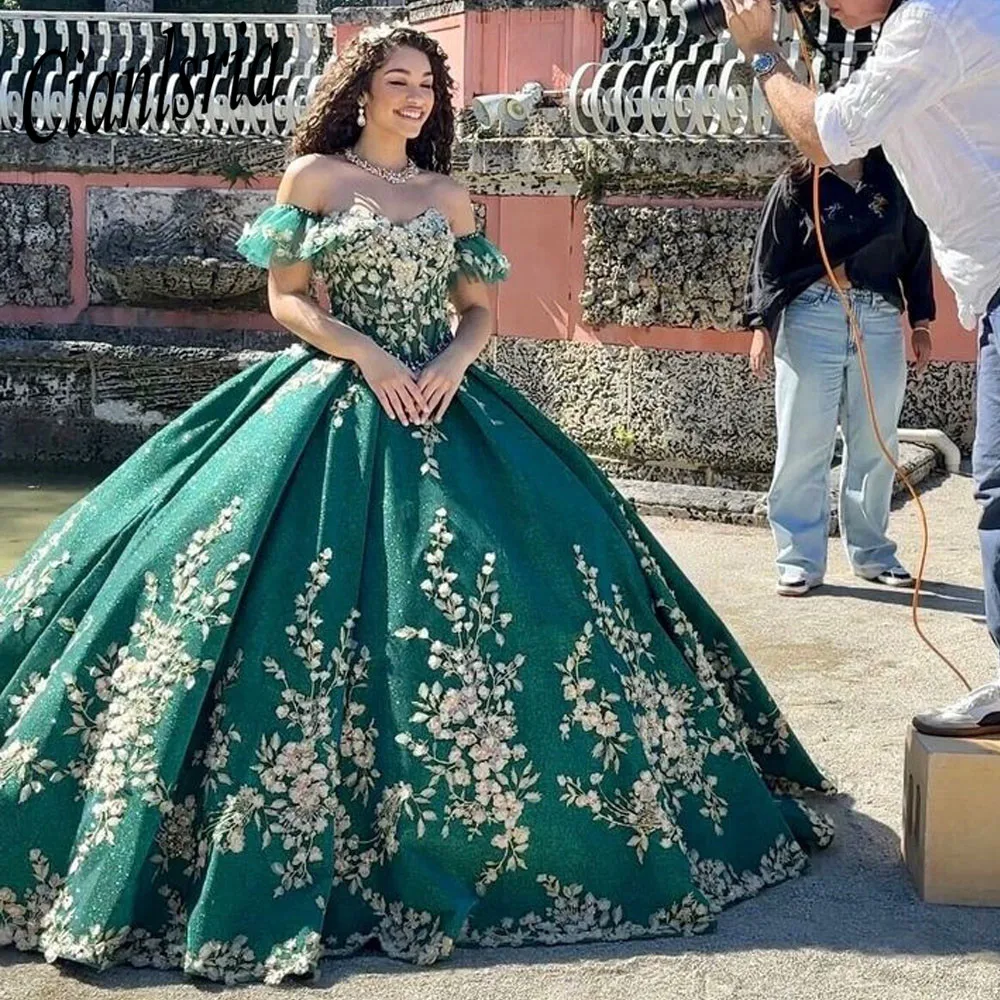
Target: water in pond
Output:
{"points": [[28, 502]]}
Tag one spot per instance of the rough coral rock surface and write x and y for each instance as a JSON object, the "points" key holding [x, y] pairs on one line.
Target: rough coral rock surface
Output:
{"points": [[666, 266], [35, 257]]}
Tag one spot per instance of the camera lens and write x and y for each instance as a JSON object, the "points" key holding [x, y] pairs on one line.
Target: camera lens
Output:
{"points": [[705, 17]]}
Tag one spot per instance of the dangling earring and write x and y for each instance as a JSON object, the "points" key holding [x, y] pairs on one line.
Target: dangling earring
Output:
{"points": [[362, 120]]}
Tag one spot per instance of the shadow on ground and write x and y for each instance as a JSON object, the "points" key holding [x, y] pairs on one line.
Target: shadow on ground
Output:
{"points": [[934, 594]]}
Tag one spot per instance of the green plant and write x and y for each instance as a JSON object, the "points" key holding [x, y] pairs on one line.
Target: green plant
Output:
{"points": [[594, 174], [235, 172], [591, 178], [624, 438]]}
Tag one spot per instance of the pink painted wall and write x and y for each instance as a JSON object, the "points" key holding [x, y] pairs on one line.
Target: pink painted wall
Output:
{"points": [[498, 51]]}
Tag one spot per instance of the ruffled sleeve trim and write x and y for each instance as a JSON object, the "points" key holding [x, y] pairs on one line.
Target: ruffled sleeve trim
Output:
{"points": [[477, 259], [283, 234]]}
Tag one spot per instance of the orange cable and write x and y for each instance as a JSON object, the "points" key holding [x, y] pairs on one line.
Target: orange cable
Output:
{"points": [[858, 339]]}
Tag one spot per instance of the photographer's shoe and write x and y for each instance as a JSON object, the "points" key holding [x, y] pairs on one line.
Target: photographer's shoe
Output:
{"points": [[977, 714], [789, 586]]}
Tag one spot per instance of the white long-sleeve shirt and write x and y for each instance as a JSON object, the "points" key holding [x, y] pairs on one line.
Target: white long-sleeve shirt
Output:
{"points": [[930, 96]]}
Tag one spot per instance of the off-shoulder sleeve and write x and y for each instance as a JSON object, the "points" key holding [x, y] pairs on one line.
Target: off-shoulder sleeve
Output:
{"points": [[477, 259], [282, 234]]}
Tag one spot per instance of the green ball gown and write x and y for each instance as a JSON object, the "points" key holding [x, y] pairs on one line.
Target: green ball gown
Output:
{"points": [[296, 679]]}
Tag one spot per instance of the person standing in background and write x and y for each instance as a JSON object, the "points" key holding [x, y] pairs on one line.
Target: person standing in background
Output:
{"points": [[882, 259]]}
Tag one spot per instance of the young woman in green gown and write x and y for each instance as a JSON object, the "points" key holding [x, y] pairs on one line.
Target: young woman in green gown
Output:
{"points": [[361, 648]]}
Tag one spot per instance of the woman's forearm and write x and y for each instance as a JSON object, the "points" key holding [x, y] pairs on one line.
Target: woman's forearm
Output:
{"points": [[301, 314], [473, 334]]}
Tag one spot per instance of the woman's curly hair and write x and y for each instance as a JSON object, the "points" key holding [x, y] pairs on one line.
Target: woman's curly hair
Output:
{"points": [[330, 122]]}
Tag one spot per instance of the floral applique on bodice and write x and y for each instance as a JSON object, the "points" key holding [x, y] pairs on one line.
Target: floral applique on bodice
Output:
{"points": [[389, 280]]}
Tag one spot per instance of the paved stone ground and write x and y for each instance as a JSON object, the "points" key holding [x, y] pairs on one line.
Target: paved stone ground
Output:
{"points": [[849, 671]]}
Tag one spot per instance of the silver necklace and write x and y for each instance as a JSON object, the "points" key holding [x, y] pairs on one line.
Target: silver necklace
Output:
{"points": [[390, 176]]}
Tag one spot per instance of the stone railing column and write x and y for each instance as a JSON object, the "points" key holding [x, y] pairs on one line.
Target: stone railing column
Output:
{"points": [[496, 46]]}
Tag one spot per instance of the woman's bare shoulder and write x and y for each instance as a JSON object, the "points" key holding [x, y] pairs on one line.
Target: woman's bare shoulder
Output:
{"points": [[452, 198], [311, 181]]}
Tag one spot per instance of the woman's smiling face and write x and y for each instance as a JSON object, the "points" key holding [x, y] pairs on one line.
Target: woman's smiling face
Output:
{"points": [[402, 93]]}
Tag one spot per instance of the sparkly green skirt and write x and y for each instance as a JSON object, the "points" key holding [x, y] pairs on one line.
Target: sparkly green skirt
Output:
{"points": [[296, 678]]}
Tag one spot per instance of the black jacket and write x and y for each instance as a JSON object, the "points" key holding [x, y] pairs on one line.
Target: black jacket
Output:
{"points": [[872, 230]]}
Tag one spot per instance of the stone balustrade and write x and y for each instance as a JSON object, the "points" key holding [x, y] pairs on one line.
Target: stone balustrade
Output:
{"points": [[169, 74]]}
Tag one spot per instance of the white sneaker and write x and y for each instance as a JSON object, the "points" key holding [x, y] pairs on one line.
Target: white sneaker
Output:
{"points": [[796, 586], [977, 714]]}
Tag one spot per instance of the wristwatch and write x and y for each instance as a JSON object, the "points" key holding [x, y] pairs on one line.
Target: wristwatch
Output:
{"points": [[764, 64]]}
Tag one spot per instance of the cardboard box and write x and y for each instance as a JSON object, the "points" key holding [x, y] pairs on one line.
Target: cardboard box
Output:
{"points": [[951, 832]]}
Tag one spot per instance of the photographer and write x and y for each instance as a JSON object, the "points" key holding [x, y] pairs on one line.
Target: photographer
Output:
{"points": [[929, 95], [882, 259]]}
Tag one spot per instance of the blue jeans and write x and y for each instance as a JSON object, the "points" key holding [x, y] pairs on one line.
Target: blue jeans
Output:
{"points": [[818, 381], [986, 466]]}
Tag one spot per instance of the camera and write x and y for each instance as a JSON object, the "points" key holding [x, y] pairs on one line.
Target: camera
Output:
{"points": [[708, 17]]}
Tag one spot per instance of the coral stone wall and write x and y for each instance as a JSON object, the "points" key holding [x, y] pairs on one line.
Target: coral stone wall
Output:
{"points": [[682, 266]]}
